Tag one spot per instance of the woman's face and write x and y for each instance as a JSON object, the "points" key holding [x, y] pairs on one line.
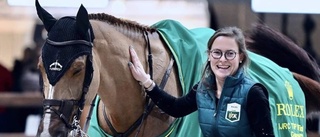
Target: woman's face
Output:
{"points": [[224, 57]]}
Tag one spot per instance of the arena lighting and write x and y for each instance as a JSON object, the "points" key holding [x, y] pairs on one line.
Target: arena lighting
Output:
{"points": [[286, 6], [61, 3]]}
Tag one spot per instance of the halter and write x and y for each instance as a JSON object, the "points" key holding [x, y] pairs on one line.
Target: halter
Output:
{"points": [[149, 103], [65, 107]]}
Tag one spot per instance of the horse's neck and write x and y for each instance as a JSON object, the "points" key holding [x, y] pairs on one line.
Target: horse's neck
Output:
{"points": [[111, 48], [122, 96]]}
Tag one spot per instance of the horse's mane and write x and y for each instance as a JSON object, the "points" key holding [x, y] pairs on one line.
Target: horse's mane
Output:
{"points": [[121, 22], [267, 42]]}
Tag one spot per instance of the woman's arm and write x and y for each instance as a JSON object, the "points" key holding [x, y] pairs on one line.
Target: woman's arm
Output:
{"points": [[176, 107], [258, 110]]}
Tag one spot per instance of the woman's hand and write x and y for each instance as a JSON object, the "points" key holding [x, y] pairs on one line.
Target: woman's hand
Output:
{"points": [[137, 69]]}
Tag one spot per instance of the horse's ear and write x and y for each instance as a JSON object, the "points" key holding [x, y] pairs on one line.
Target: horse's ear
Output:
{"points": [[47, 19], [82, 20]]}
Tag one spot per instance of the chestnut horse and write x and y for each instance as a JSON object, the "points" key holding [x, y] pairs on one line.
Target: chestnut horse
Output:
{"points": [[82, 58], [272, 44], [87, 55]]}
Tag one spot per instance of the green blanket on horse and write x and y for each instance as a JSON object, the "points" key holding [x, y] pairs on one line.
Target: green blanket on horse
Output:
{"points": [[188, 47], [286, 98]]}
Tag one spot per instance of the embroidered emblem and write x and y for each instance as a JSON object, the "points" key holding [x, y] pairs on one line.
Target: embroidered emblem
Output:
{"points": [[289, 89], [55, 66], [233, 112]]}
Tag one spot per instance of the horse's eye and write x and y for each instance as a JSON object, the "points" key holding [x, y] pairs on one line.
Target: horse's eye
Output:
{"points": [[77, 67], [77, 71]]}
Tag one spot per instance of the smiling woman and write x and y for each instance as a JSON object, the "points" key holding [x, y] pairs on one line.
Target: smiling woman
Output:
{"points": [[225, 98]]}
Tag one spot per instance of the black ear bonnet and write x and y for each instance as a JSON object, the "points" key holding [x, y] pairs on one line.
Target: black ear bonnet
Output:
{"points": [[64, 44]]}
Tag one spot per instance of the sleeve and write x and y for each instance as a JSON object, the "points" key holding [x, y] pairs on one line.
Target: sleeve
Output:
{"points": [[259, 111], [176, 107]]}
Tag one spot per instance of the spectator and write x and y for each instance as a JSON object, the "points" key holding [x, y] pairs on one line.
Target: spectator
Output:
{"points": [[26, 79], [6, 83]]}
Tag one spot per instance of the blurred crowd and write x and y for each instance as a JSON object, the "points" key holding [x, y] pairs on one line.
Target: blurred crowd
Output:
{"points": [[24, 77]]}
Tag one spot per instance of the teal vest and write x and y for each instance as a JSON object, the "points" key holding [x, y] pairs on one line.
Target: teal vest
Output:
{"points": [[229, 117]]}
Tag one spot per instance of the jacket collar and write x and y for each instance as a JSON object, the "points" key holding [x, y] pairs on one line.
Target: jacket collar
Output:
{"points": [[230, 81]]}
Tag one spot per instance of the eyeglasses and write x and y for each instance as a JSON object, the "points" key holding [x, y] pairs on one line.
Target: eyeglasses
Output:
{"points": [[217, 54]]}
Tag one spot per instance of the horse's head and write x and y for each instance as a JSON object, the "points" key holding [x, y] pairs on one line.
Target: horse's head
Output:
{"points": [[66, 69]]}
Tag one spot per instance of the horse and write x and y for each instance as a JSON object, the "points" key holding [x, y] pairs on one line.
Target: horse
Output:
{"points": [[277, 47], [271, 43], [87, 55], [68, 59]]}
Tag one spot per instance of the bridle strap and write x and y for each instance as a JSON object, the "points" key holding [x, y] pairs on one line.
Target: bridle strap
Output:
{"points": [[86, 84], [114, 131], [166, 74], [136, 124], [87, 122], [150, 62]]}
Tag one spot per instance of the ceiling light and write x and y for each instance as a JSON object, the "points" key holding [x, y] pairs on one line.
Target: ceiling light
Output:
{"points": [[286, 6]]}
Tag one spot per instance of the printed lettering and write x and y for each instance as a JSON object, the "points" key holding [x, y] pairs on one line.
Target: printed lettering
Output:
{"points": [[290, 110], [283, 126], [296, 134]]}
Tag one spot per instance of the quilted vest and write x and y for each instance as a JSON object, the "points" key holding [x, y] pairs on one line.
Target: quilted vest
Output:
{"points": [[228, 118]]}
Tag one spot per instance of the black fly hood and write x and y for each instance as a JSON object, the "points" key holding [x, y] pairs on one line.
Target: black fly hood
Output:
{"points": [[63, 45]]}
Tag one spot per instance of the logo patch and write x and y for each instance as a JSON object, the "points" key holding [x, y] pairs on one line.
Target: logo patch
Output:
{"points": [[233, 112], [289, 89], [55, 66]]}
